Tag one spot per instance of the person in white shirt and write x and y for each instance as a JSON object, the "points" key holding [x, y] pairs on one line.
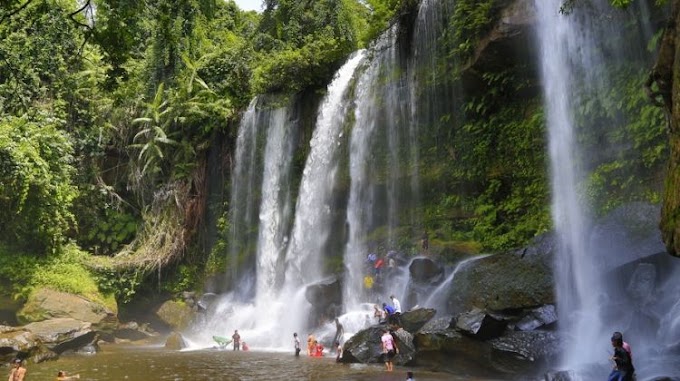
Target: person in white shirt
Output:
{"points": [[396, 304], [396, 317]]}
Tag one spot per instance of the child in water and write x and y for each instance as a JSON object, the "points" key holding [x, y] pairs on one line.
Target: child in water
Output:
{"points": [[61, 376], [245, 346], [319, 350]]}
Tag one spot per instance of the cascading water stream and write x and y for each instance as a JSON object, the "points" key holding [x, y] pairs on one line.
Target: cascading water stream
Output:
{"points": [[279, 306], [564, 49], [393, 103], [234, 310], [243, 200], [313, 212], [437, 298]]}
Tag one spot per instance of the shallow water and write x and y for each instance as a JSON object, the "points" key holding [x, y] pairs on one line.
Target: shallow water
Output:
{"points": [[147, 363]]}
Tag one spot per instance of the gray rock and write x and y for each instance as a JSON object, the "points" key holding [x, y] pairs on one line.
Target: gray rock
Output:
{"points": [[538, 317], [174, 314], [425, 270], [326, 299], [16, 340], [560, 375], [175, 342], [413, 320], [60, 335], [506, 281], [530, 345], [642, 284], [480, 324], [631, 231], [206, 300], [366, 347], [439, 324], [131, 331], [45, 304]]}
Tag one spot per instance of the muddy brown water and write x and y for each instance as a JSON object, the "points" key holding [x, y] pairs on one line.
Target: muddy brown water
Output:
{"points": [[121, 363]]}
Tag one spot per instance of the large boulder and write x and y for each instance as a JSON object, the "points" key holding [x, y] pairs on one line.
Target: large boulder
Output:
{"points": [[447, 350], [425, 271], [413, 320], [506, 281], [325, 297], [629, 232], [45, 304], [18, 342], [176, 315], [366, 347], [63, 334], [532, 346]]}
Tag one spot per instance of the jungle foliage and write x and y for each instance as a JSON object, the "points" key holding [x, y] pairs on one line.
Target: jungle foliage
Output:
{"points": [[109, 107]]}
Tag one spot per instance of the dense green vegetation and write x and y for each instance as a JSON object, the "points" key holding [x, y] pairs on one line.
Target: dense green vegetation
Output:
{"points": [[109, 107]]}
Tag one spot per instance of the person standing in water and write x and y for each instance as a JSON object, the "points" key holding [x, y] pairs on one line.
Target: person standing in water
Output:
{"points": [[389, 349], [338, 351], [18, 372], [296, 342], [339, 331], [237, 340], [311, 344], [409, 376], [623, 368]]}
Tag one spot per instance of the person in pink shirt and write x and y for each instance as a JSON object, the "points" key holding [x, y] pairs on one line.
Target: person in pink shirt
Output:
{"points": [[626, 346], [389, 348]]}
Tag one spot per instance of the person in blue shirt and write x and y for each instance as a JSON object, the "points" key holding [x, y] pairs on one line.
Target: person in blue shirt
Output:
{"points": [[389, 311]]}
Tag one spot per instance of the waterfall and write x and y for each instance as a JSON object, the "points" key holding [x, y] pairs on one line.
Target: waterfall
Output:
{"points": [[573, 59], [244, 204], [564, 50], [283, 266], [313, 212], [399, 93], [275, 205]]}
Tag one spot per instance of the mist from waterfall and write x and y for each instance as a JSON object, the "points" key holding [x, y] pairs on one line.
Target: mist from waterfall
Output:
{"points": [[283, 265], [577, 50]]}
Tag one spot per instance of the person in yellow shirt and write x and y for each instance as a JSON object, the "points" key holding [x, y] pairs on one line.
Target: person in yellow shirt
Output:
{"points": [[368, 282]]}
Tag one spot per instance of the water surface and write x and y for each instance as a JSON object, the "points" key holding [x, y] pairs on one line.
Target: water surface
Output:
{"points": [[144, 364]]}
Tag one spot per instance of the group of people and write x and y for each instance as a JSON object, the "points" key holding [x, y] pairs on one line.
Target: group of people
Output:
{"points": [[390, 314], [18, 372], [374, 269], [238, 344]]}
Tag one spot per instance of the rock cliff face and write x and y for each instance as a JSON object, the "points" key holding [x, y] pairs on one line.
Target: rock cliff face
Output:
{"points": [[666, 82]]}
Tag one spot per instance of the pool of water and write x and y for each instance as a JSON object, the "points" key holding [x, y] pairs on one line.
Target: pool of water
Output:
{"points": [[132, 363]]}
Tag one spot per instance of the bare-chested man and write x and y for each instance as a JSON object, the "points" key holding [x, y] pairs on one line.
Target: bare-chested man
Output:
{"points": [[18, 371]]}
